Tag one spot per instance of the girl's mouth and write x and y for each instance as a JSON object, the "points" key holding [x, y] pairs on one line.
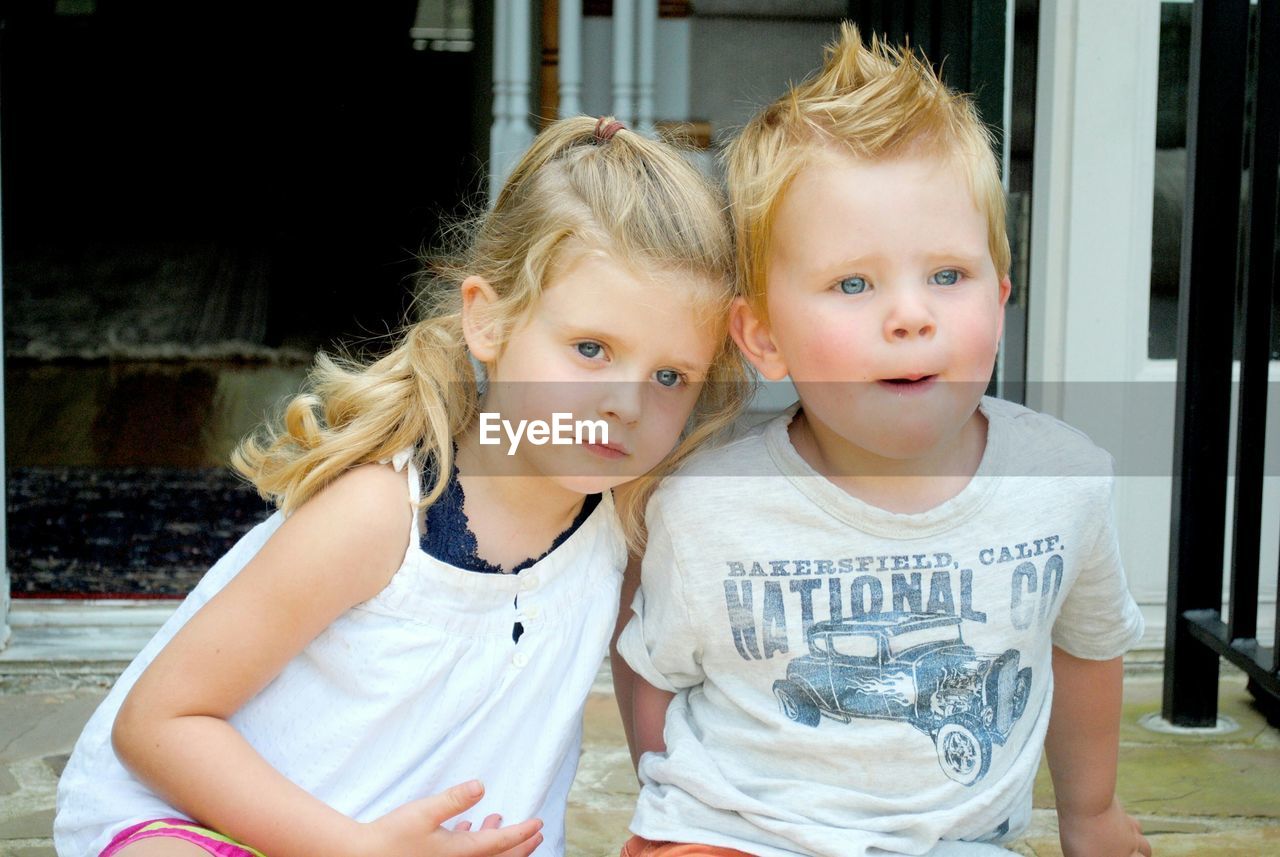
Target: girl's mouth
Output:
{"points": [[608, 451]]}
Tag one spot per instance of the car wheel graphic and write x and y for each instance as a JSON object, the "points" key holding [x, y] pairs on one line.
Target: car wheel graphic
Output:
{"points": [[1021, 690], [964, 749], [795, 704]]}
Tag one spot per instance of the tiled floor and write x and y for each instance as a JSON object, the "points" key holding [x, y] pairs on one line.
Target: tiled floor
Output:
{"points": [[1197, 796]]}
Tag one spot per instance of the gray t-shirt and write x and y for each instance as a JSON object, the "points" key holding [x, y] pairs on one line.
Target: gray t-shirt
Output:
{"points": [[854, 681]]}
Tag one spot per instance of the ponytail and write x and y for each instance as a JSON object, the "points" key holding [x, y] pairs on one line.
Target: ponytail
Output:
{"points": [[592, 182]]}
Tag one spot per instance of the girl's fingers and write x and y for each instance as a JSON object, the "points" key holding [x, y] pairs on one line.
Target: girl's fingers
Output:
{"points": [[441, 807], [491, 822], [525, 849], [518, 840]]}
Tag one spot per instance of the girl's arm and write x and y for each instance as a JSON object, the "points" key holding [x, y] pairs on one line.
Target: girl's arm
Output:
{"points": [[339, 549], [1083, 745]]}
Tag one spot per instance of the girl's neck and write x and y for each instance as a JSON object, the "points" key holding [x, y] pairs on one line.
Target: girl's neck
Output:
{"points": [[513, 514]]}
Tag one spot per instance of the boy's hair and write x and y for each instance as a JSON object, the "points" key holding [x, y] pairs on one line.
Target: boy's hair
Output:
{"points": [[575, 190], [876, 101]]}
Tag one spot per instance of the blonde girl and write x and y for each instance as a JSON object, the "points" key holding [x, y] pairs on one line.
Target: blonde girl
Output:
{"points": [[348, 679]]}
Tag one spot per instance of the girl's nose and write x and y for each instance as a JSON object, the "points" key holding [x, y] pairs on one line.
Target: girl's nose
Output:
{"points": [[622, 400]]}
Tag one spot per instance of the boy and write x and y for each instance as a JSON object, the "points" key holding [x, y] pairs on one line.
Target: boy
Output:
{"points": [[857, 612]]}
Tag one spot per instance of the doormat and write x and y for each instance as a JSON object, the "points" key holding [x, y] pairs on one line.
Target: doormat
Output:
{"points": [[125, 533]]}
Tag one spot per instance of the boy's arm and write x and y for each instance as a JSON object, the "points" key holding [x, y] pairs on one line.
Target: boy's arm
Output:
{"points": [[650, 711], [624, 678], [1082, 745], [643, 707]]}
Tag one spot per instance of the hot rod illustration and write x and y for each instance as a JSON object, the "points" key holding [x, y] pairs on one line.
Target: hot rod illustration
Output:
{"points": [[913, 667]]}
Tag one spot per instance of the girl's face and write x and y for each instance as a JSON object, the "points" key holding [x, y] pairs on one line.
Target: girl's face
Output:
{"points": [[624, 349]]}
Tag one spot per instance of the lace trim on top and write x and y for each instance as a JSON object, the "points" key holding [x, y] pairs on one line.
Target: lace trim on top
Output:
{"points": [[447, 535]]}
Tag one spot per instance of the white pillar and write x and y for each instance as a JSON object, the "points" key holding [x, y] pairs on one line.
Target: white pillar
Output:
{"points": [[1090, 272], [570, 66], [624, 63], [511, 133], [496, 143], [646, 45]]}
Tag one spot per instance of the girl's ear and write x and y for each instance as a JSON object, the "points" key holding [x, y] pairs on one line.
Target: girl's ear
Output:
{"points": [[478, 327], [751, 333]]}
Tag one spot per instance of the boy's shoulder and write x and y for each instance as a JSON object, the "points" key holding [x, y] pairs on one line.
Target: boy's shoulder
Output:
{"points": [[1037, 444], [742, 451], [713, 468]]}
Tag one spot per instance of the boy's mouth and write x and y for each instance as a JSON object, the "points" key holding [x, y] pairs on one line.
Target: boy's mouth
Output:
{"points": [[908, 383]]}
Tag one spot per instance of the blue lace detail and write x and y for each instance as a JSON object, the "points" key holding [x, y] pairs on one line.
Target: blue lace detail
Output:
{"points": [[447, 535]]}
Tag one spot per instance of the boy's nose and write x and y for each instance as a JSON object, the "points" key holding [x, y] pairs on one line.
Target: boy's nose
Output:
{"points": [[909, 318], [622, 400]]}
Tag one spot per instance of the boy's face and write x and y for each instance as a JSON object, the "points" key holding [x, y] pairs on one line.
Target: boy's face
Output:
{"points": [[883, 303]]}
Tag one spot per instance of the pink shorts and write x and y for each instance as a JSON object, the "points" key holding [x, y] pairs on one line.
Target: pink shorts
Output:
{"points": [[179, 828]]}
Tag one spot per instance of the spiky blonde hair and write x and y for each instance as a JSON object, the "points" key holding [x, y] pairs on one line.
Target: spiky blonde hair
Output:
{"points": [[876, 101]]}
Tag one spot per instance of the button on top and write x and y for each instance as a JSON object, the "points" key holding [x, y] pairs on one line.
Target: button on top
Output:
{"points": [[528, 581]]}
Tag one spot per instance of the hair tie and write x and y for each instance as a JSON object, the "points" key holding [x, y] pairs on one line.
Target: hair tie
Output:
{"points": [[606, 128]]}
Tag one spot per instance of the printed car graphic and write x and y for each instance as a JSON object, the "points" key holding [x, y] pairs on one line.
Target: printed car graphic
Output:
{"points": [[913, 667]]}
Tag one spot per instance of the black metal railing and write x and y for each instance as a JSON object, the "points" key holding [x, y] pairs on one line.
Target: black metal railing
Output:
{"points": [[1220, 248]]}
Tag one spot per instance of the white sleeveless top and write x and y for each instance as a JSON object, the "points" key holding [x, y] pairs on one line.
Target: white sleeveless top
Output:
{"points": [[417, 689]]}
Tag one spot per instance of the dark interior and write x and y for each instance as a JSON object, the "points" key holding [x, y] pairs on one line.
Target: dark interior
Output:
{"points": [[305, 151], [195, 198]]}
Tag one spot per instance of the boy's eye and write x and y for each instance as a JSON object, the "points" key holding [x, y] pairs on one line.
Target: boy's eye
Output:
{"points": [[853, 285], [590, 350], [668, 377], [949, 277]]}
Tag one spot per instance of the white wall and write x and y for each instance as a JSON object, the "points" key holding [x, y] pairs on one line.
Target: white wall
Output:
{"points": [[1090, 278]]}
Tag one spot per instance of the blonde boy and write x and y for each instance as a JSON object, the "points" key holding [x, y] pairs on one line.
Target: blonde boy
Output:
{"points": [[850, 623]]}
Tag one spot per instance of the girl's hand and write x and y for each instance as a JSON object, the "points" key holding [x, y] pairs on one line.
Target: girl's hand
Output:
{"points": [[416, 830], [490, 823], [1111, 833]]}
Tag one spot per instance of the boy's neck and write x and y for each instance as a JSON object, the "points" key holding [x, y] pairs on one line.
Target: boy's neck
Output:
{"points": [[905, 486]]}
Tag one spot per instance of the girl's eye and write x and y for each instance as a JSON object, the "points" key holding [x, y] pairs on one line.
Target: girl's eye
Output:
{"points": [[949, 277], [590, 350], [668, 377], [853, 285]]}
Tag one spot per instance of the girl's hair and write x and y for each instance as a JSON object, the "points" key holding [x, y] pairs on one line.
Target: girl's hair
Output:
{"points": [[614, 191], [873, 101]]}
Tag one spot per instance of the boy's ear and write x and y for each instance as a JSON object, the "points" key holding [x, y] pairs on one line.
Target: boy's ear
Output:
{"points": [[478, 328], [751, 333], [1006, 288]]}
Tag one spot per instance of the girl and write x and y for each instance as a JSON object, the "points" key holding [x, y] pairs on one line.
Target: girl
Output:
{"points": [[348, 659]]}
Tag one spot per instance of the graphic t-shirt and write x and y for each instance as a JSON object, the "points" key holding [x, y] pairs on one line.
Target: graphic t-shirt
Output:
{"points": [[854, 681]]}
